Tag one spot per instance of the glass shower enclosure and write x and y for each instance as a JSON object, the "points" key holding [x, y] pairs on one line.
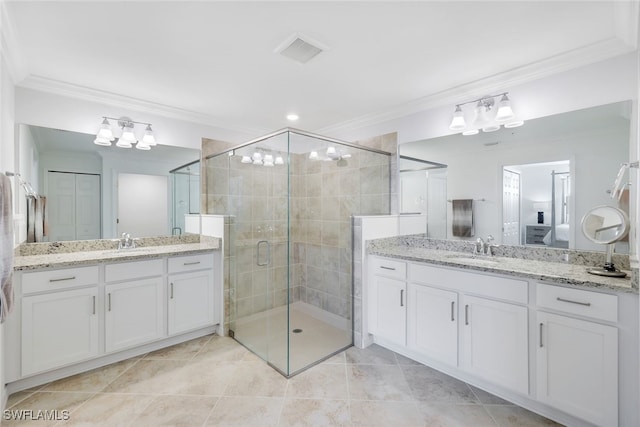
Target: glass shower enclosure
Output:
{"points": [[289, 198], [185, 184]]}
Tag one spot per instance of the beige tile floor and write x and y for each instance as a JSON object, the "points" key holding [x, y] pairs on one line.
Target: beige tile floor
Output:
{"points": [[214, 381]]}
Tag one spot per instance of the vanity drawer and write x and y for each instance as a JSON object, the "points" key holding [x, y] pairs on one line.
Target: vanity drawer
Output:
{"points": [[190, 263], [52, 280], [133, 270], [577, 301], [483, 285], [388, 268]]}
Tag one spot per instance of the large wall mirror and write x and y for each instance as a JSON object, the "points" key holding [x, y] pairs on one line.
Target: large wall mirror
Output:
{"points": [[93, 192], [529, 185]]}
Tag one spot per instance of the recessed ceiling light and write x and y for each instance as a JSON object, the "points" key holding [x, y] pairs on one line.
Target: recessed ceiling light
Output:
{"points": [[292, 117]]}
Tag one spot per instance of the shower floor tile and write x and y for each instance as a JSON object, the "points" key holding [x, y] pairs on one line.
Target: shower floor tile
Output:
{"points": [[267, 336]]}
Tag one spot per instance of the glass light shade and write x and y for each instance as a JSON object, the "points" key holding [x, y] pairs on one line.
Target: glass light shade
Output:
{"points": [[268, 160], [105, 131], [514, 124], [331, 150], [279, 160], [504, 110], [102, 141], [122, 143], [127, 134], [457, 122], [481, 115], [313, 155], [245, 159], [142, 146], [257, 156], [148, 137], [345, 156], [470, 132], [491, 127]]}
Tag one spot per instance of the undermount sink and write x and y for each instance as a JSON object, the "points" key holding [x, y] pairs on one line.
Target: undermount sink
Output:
{"points": [[474, 259]]}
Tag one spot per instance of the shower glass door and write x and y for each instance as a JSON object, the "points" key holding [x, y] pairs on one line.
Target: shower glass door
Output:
{"points": [[259, 203], [290, 198]]}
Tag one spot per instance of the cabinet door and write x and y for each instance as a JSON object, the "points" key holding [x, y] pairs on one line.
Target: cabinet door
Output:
{"points": [[190, 301], [577, 367], [494, 339], [134, 313], [58, 329], [387, 316], [432, 326]]}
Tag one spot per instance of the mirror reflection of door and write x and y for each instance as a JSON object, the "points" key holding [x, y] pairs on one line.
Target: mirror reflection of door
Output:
{"points": [[74, 206], [544, 201], [143, 207], [510, 207]]}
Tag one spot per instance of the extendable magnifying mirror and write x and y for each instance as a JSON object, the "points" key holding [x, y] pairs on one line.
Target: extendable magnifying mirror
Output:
{"points": [[606, 225]]}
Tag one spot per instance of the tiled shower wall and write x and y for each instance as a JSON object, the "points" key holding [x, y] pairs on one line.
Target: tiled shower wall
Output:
{"points": [[255, 198], [324, 195]]}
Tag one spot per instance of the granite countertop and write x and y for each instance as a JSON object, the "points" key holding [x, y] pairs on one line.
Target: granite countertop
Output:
{"points": [[545, 271], [33, 262]]}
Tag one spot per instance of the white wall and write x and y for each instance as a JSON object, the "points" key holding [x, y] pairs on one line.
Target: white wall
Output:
{"points": [[60, 112], [601, 83], [8, 161], [27, 159]]}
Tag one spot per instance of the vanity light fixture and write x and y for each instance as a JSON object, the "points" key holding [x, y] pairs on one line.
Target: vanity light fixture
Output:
{"points": [[484, 117], [127, 138]]}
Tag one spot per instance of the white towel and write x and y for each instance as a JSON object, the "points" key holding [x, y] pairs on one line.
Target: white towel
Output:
{"points": [[6, 248]]}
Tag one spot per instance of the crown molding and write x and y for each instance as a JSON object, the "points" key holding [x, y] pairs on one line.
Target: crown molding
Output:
{"points": [[10, 47], [579, 57], [84, 93]]}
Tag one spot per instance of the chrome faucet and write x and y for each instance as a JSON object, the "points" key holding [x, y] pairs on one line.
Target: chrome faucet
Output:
{"points": [[126, 242], [481, 247], [478, 246], [488, 247]]}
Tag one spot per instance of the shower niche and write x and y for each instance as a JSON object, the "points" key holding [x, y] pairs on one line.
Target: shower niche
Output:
{"points": [[289, 198]]}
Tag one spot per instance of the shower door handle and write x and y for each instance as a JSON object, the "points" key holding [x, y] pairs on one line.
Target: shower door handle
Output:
{"points": [[258, 252]]}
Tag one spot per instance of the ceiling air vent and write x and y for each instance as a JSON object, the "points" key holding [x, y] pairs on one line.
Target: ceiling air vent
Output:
{"points": [[300, 48]]}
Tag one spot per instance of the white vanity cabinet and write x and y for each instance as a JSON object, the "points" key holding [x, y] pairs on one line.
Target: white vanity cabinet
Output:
{"points": [[475, 321], [577, 358], [557, 350], [55, 302], [134, 312], [432, 322], [69, 320], [387, 298], [495, 342], [190, 293]]}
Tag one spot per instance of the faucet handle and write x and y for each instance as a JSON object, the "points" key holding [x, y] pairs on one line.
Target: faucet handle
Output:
{"points": [[490, 238]]}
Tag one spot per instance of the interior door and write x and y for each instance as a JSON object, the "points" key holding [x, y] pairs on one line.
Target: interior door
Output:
{"points": [[510, 207], [88, 204], [74, 203]]}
